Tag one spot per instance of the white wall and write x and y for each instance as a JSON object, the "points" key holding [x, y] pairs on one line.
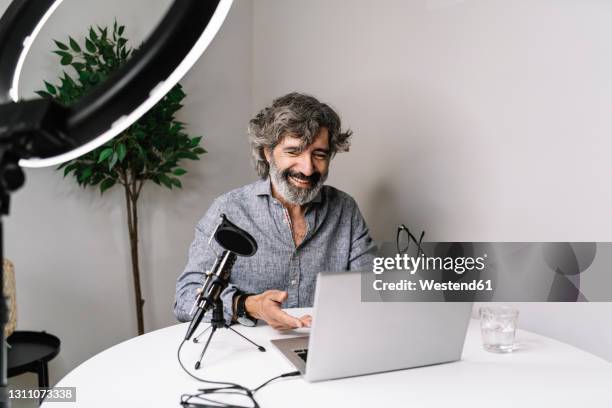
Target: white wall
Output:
{"points": [[70, 245], [481, 120]]}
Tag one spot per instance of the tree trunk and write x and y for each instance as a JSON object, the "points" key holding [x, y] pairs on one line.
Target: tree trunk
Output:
{"points": [[131, 201]]}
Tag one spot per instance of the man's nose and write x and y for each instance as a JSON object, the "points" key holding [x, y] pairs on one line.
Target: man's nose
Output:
{"points": [[305, 165]]}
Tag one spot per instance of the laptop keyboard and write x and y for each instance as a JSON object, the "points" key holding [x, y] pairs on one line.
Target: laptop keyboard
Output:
{"points": [[302, 353]]}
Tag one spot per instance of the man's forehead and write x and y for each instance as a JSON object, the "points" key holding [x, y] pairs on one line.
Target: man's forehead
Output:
{"points": [[293, 140]]}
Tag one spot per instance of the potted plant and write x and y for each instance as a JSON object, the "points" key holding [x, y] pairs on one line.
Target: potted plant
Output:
{"points": [[149, 150]]}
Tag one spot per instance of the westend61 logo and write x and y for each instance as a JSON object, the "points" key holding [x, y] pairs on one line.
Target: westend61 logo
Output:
{"points": [[459, 265], [489, 272]]}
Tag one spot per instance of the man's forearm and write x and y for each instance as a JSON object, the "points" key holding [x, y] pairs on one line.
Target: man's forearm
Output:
{"points": [[186, 287], [186, 292]]}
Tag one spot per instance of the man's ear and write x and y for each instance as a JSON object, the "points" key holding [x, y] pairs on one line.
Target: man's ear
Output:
{"points": [[267, 154]]}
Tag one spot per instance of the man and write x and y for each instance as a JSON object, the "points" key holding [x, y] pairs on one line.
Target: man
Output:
{"points": [[301, 226]]}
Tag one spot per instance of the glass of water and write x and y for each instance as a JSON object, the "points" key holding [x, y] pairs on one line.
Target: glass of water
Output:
{"points": [[498, 325]]}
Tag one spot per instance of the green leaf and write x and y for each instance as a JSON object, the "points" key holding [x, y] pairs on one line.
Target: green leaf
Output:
{"points": [[121, 151], [60, 45], [50, 88], [105, 154], [96, 179], [166, 181], [179, 172], [69, 168], [195, 141], [106, 184], [91, 47], [92, 34], [78, 66], [176, 182], [103, 32], [84, 77], [113, 161], [67, 60], [90, 59], [68, 79], [199, 150], [43, 94], [74, 45], [120, 31], [85, 174], [62, 53], [187, 155]]}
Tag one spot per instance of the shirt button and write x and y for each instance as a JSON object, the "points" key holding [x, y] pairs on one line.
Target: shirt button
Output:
{"points": [[284, 220], [293, 282]]}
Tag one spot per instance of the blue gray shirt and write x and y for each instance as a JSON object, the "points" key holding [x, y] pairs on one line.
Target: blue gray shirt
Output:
{"points": [[337, 239]]}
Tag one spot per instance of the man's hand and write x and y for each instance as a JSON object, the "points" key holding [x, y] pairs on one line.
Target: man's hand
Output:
{"points": [[267, 306]]}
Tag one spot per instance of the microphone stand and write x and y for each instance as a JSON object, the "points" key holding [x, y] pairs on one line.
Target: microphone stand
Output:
{"points": [[234, 242], [218, 322]]}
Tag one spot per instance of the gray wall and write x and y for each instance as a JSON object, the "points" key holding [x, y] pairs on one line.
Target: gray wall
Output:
{"points": [[479, 120], [70, 245]]}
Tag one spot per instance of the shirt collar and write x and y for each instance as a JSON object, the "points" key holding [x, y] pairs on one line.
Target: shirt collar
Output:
{"points": [[263, 187]]}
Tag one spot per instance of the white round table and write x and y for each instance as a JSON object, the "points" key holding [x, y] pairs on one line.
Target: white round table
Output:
{"points": [[144, 372]]}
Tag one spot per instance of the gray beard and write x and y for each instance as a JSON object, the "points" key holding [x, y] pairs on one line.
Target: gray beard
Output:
{"points": [[293, 194]]}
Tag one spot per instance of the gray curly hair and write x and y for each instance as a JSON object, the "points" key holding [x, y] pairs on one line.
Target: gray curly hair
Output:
{"points": [[297, 114]]}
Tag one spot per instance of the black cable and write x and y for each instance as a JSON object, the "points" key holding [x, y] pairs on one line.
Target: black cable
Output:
{"points": [[186, 402], [228, 388], [291, 374], [228, 385], [178, 355]]}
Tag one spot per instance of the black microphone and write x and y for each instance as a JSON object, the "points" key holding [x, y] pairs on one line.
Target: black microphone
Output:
{"points": [[234, 241], [216, 281]]}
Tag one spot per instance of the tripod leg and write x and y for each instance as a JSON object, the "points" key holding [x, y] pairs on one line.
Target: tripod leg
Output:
{"points": [[260, 348], [197, 338], [197, 365]]}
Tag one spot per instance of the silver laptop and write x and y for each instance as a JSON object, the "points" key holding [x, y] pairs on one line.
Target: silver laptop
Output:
{"points": [[349, 337]]}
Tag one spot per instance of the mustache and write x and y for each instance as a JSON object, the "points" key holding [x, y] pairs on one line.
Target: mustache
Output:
{"points": [[313, 178]]}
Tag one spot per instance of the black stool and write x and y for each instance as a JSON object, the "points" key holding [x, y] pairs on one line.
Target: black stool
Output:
{"points": [[29, 352]]}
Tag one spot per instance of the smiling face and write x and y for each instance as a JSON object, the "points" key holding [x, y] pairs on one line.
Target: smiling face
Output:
{"points": [[298, 172]]}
